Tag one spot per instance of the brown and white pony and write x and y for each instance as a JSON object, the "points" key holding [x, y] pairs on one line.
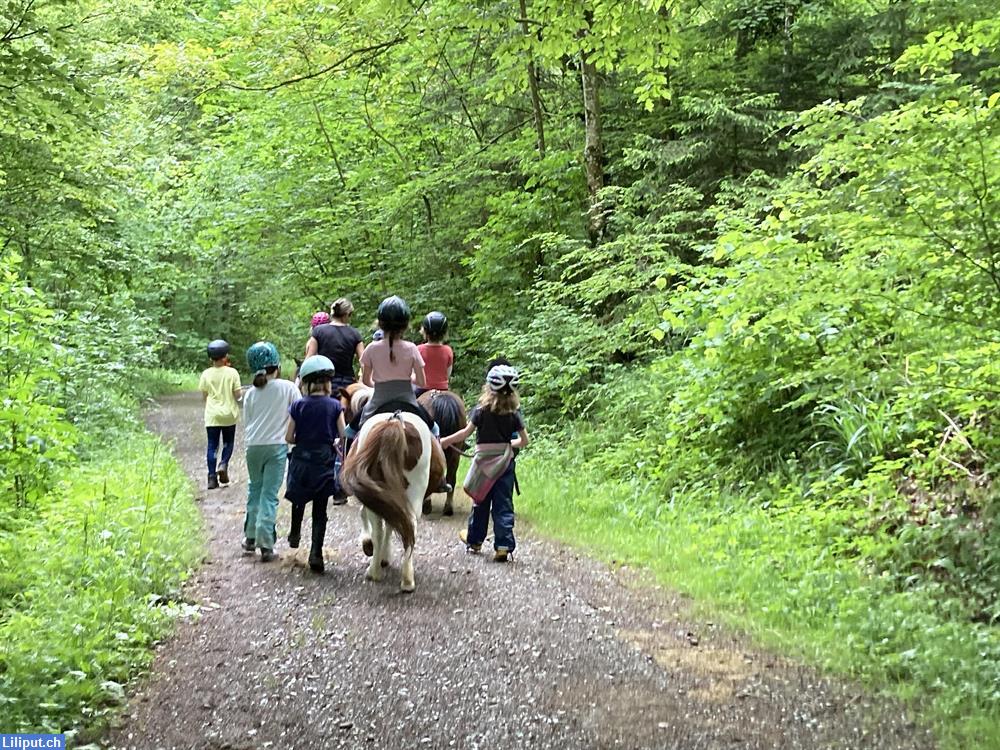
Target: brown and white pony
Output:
{"points": [[389, 470], [448, 410]]}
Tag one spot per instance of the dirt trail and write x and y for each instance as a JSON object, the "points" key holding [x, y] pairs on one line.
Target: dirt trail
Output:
{"points": [[551, 651]]}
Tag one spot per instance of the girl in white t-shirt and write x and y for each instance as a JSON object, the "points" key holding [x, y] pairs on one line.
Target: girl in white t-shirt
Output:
{"points": [[265, 416]]}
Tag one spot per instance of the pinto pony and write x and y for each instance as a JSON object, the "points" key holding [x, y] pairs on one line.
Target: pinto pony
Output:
{"points": [[389, 471], [448, 410]]}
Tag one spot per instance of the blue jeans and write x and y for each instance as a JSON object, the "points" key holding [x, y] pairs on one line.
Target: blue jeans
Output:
{"points": [[265, 473], [500, 504], [228, 435]]}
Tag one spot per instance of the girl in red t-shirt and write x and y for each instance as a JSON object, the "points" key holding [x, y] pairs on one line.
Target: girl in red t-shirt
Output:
{"points": [[438, 356]]}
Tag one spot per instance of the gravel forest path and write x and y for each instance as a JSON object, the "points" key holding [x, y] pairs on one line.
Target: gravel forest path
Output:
{"points": [[553, 650]]}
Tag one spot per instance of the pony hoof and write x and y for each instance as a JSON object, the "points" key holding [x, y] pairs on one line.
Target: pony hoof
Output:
{"points": [[374, 575], [367, 547], [427, 507], [407, 588], [448, 511]]}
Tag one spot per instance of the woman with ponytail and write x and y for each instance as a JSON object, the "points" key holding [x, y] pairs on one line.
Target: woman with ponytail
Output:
{"points": [[338, 341]]}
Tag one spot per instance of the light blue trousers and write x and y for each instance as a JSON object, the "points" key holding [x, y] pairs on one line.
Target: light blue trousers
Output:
{"points": [[265, 472]]}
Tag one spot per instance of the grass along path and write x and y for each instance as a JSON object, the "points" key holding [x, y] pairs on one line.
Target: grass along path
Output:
{"points": [[772, 575]]}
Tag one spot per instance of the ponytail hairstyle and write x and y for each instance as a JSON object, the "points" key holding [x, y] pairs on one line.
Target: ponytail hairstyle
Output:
{"points": [[393, 335], [261, 378], [341, 308]]}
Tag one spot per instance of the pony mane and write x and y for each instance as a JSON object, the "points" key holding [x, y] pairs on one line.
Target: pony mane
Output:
{"points": [[447, 409], [361, 396]]}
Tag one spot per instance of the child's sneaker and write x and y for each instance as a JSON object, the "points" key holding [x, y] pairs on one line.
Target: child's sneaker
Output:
{"points": [[464, 536], [248, 546], [267, 555], [500, 554], [223, 474], [213, 482]]}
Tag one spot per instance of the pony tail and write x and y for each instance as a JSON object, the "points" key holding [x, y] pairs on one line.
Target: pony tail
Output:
{"points": [[373, 473]]}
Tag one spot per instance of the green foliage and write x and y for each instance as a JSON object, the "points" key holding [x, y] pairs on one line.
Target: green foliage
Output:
{"points": [[89, 583], [797, 573], [789, 309], [35, 440]]}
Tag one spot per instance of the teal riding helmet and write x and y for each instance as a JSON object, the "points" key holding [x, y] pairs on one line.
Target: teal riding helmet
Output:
{"points": [[262, 355]]}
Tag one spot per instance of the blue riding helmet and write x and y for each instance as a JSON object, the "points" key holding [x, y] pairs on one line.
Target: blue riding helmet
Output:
{"points": [[316, 367]]}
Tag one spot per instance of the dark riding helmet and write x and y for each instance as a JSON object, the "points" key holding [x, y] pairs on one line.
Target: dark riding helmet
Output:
{"points": [[217, 349], [393, 314], [436, 324]]}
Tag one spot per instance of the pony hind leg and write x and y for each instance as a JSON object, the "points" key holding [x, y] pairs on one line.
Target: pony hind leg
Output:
{"points": [[379, 532], [452, 477], [407, 584], [367, 546]]}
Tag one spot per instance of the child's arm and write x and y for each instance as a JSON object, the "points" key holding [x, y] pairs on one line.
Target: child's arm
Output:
{"points": [[521, 440], [312, 346], [366, 374], [290, 432], [458, 437], [341, 425]]}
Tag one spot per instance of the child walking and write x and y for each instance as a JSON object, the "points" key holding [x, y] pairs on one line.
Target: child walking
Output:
{"points": [[220, 390], [490, 481], [438, 356], [265, 413], [316, 421]]}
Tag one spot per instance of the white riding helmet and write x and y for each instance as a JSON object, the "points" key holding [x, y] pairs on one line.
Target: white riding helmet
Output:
{"points": [[502, 378]]}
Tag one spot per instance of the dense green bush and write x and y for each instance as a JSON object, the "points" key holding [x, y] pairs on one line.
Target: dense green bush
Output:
{"points": [[89, 580]]}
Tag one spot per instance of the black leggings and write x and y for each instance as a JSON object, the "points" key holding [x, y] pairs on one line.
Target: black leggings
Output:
{"points": [[318, 520]]}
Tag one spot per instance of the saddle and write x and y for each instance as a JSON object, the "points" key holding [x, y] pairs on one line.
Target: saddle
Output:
{"points": [[390, 407]]}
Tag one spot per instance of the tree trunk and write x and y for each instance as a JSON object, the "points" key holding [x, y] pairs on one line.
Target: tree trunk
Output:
{"points": [[787, 43], [593, 148], [536, 101], [899, 11]]}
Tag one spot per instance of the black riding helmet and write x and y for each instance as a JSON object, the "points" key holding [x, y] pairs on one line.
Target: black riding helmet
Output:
{"points": [[217, 349], [393, 314], [436, 324]]}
